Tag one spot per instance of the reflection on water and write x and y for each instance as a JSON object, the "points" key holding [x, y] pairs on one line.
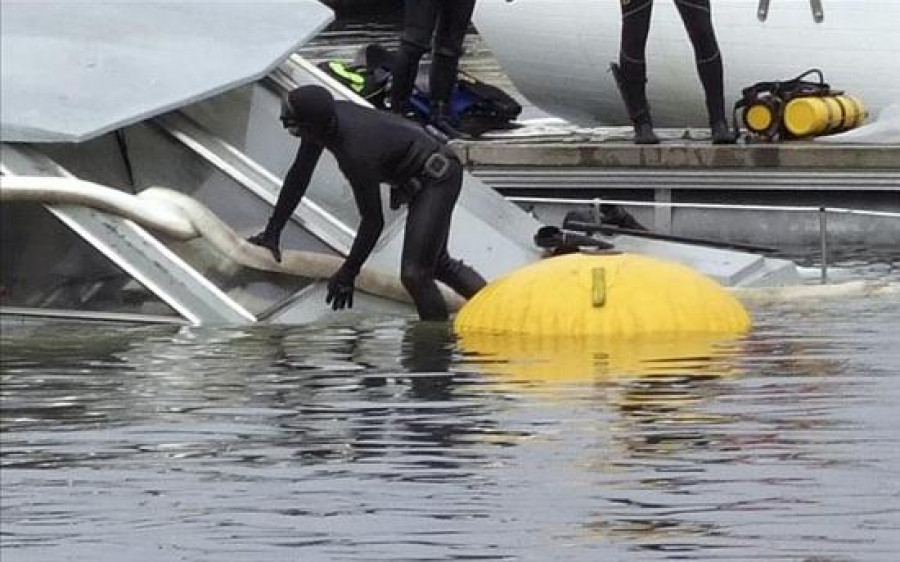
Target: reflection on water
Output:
{"points": [[386, 439]]}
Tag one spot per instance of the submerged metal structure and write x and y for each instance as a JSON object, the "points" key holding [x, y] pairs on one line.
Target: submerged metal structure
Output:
{"points": [[124, 98], [133, 96]]}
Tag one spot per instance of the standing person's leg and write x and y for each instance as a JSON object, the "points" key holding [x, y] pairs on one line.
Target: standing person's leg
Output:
{"points": [[427, 229], [631, 72], [453, 22], [697, 20], [419, 19]]}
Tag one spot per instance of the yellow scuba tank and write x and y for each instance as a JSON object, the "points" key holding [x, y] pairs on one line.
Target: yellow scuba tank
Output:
{"points": [[762, 115], [807, 116], [797, 108]]}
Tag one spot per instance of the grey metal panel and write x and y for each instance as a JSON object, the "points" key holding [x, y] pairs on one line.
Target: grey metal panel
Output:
{"points": [[155, 266], [73, 70], [730, 268], [135, 250], [18, 315], [523, 178]]}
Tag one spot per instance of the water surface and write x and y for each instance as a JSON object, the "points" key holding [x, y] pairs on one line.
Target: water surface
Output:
{"points": [[378, 438], [381, 438]]}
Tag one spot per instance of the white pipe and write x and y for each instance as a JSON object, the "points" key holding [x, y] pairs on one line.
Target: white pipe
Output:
{"points": [[181, 217], [859, 288], [54, 190]]}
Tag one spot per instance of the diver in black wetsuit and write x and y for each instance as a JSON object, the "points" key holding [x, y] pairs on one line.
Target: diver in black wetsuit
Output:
{"points": [[372, 147], [443, 22], [631, 72]]}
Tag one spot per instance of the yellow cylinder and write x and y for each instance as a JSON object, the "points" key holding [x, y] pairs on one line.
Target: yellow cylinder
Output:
{"points": [[758, 117], [807, 116], [854, 111], [616, 295], [817, 115]]}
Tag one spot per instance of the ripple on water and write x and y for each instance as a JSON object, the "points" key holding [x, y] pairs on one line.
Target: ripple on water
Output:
{"points": [[389, 439]]}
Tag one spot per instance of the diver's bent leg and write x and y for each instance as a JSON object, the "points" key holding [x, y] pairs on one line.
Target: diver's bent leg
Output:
{"points": [[459, 276], [419, 19], [454, 273], [427, 228], [697, 20]]}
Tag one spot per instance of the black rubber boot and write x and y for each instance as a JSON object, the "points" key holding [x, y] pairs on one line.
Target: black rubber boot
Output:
{"points": [[710, 72], [643, 131], [633, 92], [443, 121], [721, 132]]}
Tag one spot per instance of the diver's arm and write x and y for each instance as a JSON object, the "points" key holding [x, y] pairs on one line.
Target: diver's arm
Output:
{"points": [[368, 202], [295, 184]]}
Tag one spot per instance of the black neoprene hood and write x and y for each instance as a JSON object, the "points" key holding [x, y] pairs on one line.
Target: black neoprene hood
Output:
{"points": [[309, 107]]}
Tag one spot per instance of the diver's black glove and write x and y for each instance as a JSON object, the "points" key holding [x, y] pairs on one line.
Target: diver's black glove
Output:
{"points": [[340, 290], [267, 241]]}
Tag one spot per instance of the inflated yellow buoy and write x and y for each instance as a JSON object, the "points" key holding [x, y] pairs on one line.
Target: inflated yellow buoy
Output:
{"points": [[617, 295]]}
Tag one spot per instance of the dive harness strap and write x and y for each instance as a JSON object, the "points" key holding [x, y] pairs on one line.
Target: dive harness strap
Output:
{"points": [[435, 168]]}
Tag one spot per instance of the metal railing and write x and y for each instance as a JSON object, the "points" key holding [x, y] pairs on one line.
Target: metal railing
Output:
{"points": [[822, 212]]}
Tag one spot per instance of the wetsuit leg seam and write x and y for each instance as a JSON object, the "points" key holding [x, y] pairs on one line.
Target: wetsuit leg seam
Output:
{"points": [[637, 10]]}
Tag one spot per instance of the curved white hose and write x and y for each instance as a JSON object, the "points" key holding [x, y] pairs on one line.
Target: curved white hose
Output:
{"points": [[858, 288], [181, 217], [72, 191]]}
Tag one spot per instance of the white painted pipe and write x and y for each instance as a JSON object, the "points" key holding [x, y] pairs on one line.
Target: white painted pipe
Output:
{"points": [[72, 191], [858, 288], [181, 217]]}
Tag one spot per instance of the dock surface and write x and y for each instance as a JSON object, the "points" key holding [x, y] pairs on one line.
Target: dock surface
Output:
{"points": [[686, 169]]}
